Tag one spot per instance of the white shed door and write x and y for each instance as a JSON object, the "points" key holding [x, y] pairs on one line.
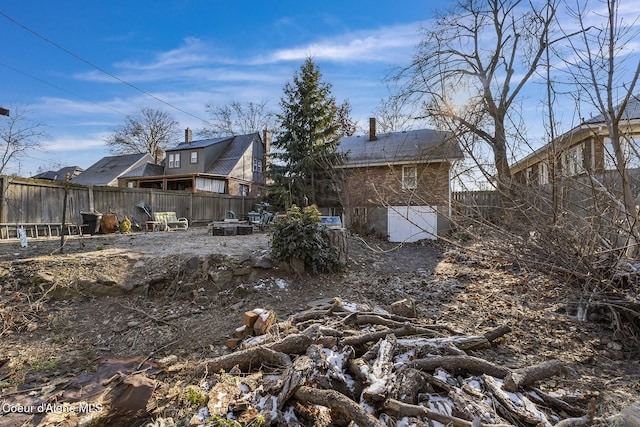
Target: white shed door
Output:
{"points": [[411, 223]]}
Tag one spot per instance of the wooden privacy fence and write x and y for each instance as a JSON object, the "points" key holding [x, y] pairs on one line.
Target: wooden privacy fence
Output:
{"points": [[30, 201], [476, 204]]}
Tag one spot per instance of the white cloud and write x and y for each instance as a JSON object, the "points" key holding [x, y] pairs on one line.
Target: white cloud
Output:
{"points": [[385, 44]]}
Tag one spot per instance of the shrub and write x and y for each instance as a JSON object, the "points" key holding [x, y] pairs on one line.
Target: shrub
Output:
{"points": [[300, 235]]}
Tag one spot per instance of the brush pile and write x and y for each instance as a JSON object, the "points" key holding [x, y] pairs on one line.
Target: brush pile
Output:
{"points": [[346, 364]]}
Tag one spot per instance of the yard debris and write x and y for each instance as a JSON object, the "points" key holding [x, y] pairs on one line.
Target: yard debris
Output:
{"points": [[336, 366]]}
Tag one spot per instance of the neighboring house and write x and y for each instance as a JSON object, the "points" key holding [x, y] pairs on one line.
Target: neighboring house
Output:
{"points": [[398, 183], [59, 175], [585, 149], [231, 165], [107, 170]]}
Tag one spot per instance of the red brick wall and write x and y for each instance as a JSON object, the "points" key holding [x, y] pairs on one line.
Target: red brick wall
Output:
{"points": [[382, 185]]}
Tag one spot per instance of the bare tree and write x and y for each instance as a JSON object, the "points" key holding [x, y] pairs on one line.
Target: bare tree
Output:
{"points": [[600, 72], [149, 131], [18, 135], [236, 118], [472, 65], [396, 113]]}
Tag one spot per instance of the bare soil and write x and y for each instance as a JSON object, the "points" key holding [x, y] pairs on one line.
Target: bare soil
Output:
{"points": [[152, 295]]}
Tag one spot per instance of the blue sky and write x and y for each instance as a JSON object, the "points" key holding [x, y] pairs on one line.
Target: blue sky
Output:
{"points": [[187, 53]]}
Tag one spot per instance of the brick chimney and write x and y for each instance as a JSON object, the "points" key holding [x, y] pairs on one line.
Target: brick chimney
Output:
{"points": [[266, 140], [187, 135], [372, 129]]}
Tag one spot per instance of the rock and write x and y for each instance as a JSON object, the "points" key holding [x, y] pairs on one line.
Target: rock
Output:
{"points": [[242, 271], [192, 263], [42, 277], [106, 280], [221, 278], [405, 307], [264, 263]]}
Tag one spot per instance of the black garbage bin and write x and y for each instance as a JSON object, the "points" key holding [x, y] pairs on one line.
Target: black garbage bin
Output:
{"points": [[91, 222]]}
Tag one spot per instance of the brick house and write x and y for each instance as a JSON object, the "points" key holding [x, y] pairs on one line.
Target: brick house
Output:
{"points": [[232, 165], [398, 183]]}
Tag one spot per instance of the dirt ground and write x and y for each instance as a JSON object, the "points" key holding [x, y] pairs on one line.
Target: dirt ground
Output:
{"points": [[153, 295]]}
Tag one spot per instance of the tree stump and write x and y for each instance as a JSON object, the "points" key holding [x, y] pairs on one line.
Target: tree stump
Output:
{"points": [[338, 240]]}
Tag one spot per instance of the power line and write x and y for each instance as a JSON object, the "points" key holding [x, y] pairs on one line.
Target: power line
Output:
{"points": [[60, 88], [102, 70]]}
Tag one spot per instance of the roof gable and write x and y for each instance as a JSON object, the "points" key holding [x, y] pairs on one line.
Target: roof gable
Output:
{"points": [[231, 155], [425, 145], [106, 170]]}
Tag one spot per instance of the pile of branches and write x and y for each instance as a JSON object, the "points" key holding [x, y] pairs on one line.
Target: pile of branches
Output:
{"points": [[342, 365]]}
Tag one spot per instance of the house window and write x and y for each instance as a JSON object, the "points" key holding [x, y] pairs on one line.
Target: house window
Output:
{"points": [[194, 157], [243, 190], [629, 149], [257, 165], [573, 161], [174, 160], [543, 173], [409, 177]]}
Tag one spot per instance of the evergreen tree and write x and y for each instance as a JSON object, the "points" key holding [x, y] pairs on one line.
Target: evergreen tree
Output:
{"points": [[310, 131]]}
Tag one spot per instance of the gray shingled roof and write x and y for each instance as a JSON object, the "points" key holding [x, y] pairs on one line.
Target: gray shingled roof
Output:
{"points": [[148, 169], [631, 112], [107, 169], [199, 144], [400, 147], [229, 158], [60, 174]]}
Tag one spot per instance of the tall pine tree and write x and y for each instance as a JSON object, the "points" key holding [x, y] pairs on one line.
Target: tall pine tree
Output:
{"points": [[310, 129]]}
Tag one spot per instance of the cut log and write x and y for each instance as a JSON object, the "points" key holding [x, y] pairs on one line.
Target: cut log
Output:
{"points": [[522, 377], [295, 376], [375, 336], [497, 332], [517, 405], [470, 364], [409, 382], [274, 353], [337, 402], [380, 374], [249, 318]]}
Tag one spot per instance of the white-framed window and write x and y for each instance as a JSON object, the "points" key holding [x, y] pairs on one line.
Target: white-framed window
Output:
{"points": [[543, 173], [257, 165], [528, 174], [629, 149], [243, 190], [573, 161], [409, 177], [174, 160], [194, 157]]}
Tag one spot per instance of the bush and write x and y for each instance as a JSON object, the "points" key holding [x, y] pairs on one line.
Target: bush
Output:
{"points": [[300, 235]]}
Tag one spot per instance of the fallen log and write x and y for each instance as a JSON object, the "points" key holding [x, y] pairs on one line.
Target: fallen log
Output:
{"points": [[337, 402], [295, 376], [556, 403], [473, 365], [420, 411], [274, 353], [380, 375], [516, 405], [497, 332], [375, 336], [526, 376]]}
